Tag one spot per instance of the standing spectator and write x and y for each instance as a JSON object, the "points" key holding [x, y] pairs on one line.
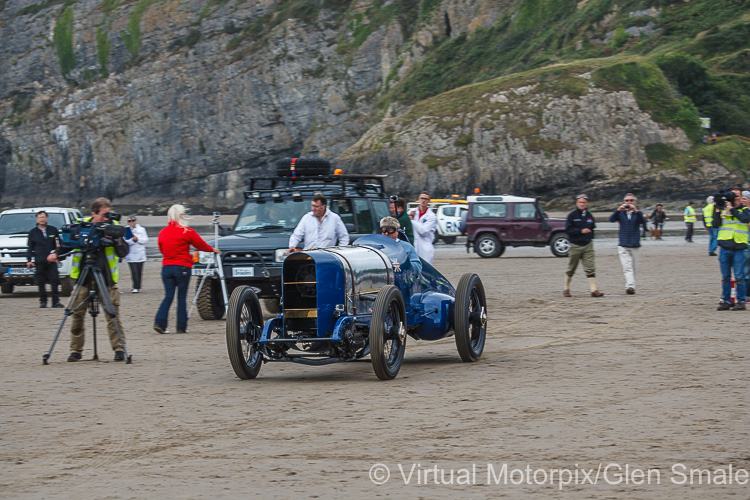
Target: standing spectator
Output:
{"points": [[398, 210], [43, 240], [746, 203], [732, 220], [580, 228], [136, 237], [629, 218], [713, 232], [658, 217], [424, 222], [319, 228], [174, 244], [690, 219]]}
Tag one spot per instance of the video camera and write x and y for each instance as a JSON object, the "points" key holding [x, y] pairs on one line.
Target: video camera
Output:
{"points": [[722, 197], [89, 236]]}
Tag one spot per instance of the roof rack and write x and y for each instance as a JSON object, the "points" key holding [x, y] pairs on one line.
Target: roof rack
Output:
{"points": [[345, 182]]}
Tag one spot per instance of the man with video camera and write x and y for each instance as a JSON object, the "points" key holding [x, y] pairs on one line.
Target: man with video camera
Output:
{"points": [[106, 261], [731, 218]]}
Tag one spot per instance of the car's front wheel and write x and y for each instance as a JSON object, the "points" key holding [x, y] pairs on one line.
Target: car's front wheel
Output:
{"points": [[244, 327], [388, 333], [7, 288], [210, 300], [489, 246], [560, 245], [470, 317]]}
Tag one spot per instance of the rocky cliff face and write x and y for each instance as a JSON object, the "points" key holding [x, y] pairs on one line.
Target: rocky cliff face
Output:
{"points": [[534, 139], [168, 101]]}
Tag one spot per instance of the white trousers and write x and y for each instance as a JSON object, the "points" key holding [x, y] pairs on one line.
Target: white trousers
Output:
{"points": [[629, 261]]}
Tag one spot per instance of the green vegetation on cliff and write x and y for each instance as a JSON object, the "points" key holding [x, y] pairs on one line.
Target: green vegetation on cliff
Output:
{"points": [[63, 38], [701, 47]]}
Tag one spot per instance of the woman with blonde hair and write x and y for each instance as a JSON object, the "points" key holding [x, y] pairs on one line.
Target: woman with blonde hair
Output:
{"points": [[174, 244]]}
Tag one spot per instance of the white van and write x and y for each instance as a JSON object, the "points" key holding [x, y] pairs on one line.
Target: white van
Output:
{"points": [[14, 235]]}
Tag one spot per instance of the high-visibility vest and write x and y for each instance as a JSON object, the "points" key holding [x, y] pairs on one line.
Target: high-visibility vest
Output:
{"points": [[733, 229], [690, 214], [109, 253], [708, 215]]}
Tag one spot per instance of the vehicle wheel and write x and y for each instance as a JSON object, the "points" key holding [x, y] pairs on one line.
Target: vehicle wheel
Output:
{"points": [[7, 288], [303, 166], [66, 286], [244, 327], [488, 246], [273, 306], [449, 240], [210, 300], [388, 333], [560, 245], [470, 317]]}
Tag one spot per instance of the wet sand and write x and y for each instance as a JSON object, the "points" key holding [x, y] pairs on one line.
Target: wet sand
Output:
{"points": [[656, 381]]}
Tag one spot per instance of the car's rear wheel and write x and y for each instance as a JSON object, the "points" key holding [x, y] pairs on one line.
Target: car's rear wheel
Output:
{"points": [[7, 288], [388, 333], [449, 240], [560, 245], [244, 327], [470, 317], [488, 246], [210, 300]]}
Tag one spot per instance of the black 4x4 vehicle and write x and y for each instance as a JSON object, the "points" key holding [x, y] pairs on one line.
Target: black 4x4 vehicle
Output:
{"points": [[254, 249], [496, 222]]}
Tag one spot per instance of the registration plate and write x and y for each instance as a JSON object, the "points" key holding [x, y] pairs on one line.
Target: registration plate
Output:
{"points": [[204, 272], [239, 272], [20, 271]]}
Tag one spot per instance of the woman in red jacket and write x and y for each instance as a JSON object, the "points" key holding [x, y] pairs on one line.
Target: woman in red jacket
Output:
{"points": [[174, 244]]}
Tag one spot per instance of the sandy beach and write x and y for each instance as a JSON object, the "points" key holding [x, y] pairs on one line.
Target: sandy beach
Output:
{"points": [[626, 392]]}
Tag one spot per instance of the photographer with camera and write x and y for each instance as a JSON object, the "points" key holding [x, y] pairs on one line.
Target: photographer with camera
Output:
{"points": [[114, 247], [398, 210], [629, 218], [732, 220]]}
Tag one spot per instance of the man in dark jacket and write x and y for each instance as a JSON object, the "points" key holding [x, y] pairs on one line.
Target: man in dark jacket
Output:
{"points": [[43, 240], [629, 218], [580, 228]]}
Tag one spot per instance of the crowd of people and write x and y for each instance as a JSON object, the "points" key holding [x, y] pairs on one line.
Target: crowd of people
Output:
{"points": [[727, 224], [726, 221]]}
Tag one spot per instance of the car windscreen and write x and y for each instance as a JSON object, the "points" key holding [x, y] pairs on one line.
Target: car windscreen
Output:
{"points": [[264, 215], [23, 223]]}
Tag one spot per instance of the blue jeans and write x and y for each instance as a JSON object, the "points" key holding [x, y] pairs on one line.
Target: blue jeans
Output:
{"points": [[174, 277], [732, 261], [747, 272], [713, 233]]}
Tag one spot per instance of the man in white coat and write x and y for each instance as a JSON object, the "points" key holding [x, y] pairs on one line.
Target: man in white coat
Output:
{"points": [[424, 224]]}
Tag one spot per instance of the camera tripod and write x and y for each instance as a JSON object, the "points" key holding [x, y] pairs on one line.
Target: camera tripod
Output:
{"points": [[219, 270], [97, 293]]}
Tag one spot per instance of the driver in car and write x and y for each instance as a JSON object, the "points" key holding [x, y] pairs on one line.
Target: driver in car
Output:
{"points": [[389, 226]]}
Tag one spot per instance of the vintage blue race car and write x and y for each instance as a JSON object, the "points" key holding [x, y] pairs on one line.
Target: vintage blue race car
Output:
{"points": [[345, 303]]}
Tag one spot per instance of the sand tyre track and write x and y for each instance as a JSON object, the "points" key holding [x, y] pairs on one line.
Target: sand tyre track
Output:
{"points": [[470, 317], [303, 167], [388, 333], [210, 302], [244, 327]]}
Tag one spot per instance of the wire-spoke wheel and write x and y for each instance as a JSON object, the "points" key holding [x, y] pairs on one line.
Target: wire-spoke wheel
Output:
{"points": [[471, 317], [388, 333], [244, 327]]}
